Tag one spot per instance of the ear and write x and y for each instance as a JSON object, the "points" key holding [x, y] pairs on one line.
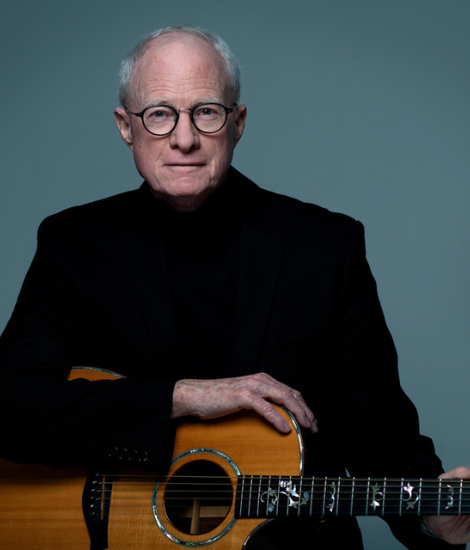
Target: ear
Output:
{"points": [[239, 116], [122, 120]]}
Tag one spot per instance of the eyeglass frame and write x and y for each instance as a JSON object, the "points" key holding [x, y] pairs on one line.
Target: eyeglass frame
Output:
{"points": [[177, 112]]}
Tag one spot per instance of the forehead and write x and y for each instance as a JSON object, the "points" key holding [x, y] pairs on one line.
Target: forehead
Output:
{"points": [[179, 68]]}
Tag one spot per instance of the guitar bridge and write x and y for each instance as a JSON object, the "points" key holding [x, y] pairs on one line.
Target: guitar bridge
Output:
{"points": [[95, 505]]}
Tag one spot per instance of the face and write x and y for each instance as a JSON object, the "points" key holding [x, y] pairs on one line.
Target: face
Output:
{"points": [[185, 167]]}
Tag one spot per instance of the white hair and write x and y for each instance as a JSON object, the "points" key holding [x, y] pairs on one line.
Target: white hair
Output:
{"points": [[128, 63]]}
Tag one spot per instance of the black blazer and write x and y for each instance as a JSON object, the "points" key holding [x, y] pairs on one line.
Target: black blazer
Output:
{"points": [[307, 312]]}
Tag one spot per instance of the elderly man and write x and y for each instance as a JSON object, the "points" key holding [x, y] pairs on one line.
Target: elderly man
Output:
{"points": [[211, 296]]}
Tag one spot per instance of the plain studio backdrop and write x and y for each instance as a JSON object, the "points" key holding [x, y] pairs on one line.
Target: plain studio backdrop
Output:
{"points": [[361, 106]]}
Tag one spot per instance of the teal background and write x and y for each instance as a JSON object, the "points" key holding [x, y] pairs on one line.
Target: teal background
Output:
{"points": [[372, 99]]}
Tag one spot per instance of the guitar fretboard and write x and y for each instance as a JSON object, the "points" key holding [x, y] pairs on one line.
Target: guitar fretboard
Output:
{"points": [[273, 496]]}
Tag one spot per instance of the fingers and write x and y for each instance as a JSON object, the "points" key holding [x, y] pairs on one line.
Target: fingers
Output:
{"points": [[288, 397], [461, 472], [214, 398]]}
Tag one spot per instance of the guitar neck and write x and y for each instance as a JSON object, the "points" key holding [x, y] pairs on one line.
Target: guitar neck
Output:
{"points": [[273, 496]]}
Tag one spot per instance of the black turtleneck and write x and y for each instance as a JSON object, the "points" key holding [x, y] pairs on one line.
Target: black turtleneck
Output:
{"points": [[202, 249]]}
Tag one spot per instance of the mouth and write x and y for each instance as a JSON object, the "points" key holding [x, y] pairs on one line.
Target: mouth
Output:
{"points": [[185, 167], [185, 164]]}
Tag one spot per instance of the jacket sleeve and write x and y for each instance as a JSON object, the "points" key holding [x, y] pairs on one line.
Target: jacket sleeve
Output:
{"points": [[384, 418], [44, 418], [381, 423]]}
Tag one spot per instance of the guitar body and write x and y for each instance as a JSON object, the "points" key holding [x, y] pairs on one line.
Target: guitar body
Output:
{"points": [[41, 507]]}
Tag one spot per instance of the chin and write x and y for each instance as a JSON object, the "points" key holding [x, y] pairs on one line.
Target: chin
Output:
{"points": [[184, 197]]}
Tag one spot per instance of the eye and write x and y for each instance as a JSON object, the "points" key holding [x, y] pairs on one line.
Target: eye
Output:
{"points": [[207, 112], [159, 114]]}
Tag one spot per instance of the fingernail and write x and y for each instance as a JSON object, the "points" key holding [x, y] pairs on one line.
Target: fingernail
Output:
{"points": [[287, 427]]}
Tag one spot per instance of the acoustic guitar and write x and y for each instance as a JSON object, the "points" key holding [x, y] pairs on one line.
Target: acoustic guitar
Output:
{"points": [[228, 477]]}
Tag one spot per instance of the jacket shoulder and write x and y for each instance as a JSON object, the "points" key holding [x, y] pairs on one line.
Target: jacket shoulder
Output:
{"points": [[289, 210], [102, 207], [292, 210]]}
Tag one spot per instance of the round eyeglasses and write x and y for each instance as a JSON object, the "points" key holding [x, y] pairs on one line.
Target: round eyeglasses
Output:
{"points": [[161, 120]]}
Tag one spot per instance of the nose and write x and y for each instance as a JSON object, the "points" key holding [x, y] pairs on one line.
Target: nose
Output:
{"points": [[185, 136]]}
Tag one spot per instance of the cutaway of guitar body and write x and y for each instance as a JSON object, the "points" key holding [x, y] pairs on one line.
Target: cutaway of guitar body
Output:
{"points": [[193, 505]]}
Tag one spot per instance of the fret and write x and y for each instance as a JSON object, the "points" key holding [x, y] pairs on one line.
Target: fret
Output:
{"points": [[241, 495], [259, 496], [287, 502], [324, 497], [460, 497], [277, 502], [267, 500], [384, 497], [401, 497], [439, 498], [367, 497], [300, 493], [352, 495], [338, 497], [420, 495], [249, 496], [312, 496]]}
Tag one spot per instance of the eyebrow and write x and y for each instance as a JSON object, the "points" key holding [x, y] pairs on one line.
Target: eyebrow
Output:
{"points": [[160, 101]]}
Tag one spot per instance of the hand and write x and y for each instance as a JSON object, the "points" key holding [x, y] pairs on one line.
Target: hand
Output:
{"points": [[452, 529], [220, 397]]}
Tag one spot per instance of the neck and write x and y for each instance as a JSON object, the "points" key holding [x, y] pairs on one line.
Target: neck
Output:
{"points": [[189, 203], [266, 496]]}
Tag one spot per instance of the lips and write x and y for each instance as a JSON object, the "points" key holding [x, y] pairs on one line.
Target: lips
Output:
{"points": [[185, 167], [184, 164]]}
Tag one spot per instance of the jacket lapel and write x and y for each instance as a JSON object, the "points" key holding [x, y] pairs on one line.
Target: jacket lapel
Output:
{"points": [[260, 262], [145, 258]]}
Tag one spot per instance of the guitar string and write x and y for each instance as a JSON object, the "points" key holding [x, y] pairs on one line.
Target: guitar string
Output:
{"points": [[392, 486], [116, 492], [345, 498], [365, 481], [317, 508], [118, 495]]}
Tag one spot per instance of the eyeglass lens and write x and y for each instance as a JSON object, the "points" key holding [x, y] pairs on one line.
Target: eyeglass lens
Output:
{"points": [[161, 119]]}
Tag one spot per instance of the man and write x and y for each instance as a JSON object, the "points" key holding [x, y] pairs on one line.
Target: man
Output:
{"points": [[211, 296]]}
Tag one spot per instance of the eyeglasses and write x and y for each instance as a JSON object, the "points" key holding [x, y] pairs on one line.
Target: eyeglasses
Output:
{"points": [[161, 120]]}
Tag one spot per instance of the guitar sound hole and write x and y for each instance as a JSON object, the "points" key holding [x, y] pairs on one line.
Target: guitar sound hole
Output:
{"points": [[198, 497]]}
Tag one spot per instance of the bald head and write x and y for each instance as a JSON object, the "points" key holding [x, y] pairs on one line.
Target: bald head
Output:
{"points": [[179, 60], [227, 64]]}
